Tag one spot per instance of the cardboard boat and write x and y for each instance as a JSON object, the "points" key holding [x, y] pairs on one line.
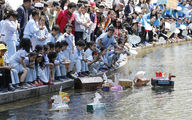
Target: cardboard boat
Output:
{"points": [[140, 81], [88, 83], [162, 81]]}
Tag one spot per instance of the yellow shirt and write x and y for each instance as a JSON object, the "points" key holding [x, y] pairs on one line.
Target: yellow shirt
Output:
{"points": [[2, 63]]}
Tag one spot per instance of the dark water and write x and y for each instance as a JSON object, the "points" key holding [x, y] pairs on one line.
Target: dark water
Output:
{"points": [[136, 103]]}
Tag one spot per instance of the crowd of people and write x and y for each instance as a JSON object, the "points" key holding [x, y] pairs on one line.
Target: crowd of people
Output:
{"points": [[48, 40]]}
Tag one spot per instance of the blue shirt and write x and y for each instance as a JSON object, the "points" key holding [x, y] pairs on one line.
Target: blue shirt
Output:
{"points": [[10, 30], [105, 40], [50, 38], [2, 30], [46, 59], [31, 29], [59, 58], [69, 40], [22, 18], [178, 25], [156, 22], [168, 12], [181, 13], [21, 53], [40, 34], [78, 54]]}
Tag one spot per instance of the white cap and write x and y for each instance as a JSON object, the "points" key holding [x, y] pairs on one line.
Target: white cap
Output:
{"points": [[39, 5]]}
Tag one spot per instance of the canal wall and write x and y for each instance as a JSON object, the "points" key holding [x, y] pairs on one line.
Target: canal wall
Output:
{"points": [[22, 94]]}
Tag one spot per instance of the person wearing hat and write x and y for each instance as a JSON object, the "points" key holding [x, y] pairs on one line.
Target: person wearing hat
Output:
{"points": [[93, 18], [99, 27], [102, 6], [5, 78]]}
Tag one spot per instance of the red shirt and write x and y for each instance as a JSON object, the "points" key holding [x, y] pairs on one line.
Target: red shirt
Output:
{"points": [[64, 18]]}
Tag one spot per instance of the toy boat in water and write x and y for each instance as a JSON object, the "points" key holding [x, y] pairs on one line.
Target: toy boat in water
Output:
{"points": [[140, 80], [162, 81], [88, 83], [59, 102]]}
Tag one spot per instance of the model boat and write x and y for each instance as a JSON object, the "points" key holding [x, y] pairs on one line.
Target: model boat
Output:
{"points": [[160, 80], [140, 79], [89, 83]]}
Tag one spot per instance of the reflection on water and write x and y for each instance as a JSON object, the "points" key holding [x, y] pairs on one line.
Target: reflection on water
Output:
{"points": [[136, 103]]}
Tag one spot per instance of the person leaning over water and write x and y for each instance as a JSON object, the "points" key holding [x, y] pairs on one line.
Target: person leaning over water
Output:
{"points": [[106, 39]]}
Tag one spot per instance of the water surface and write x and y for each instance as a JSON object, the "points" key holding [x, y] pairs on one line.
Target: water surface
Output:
{"points": [[136, 103]]}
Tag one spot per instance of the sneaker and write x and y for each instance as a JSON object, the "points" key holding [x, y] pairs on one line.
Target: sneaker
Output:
{"points": [[64, 77], [24, 87], [11, 88], [59, 79], [49, 83], [70, 76], [3, 90], [36, 83], [85, 74], [146, 43], [40, 83], [16, 86], [27, 85], [80, 75], [33, 85], [102, 70]]}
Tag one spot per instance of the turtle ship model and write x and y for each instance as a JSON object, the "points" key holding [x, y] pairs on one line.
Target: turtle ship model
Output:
{"points": [[162, 80]]}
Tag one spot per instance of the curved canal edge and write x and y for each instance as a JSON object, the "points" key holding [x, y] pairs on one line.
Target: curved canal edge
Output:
{"points": [[17, 95]]}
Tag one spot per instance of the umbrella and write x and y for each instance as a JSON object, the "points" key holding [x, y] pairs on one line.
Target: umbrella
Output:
{"points": [[134, 39]]}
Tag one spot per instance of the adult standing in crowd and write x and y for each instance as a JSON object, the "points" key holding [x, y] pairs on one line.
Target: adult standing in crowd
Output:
{"points": [[129, 8], [80, 25], [43, 13], [52, 13], [23, 16], [66, 16]]}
